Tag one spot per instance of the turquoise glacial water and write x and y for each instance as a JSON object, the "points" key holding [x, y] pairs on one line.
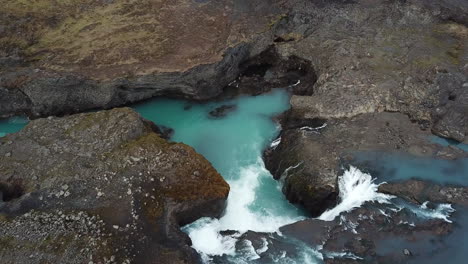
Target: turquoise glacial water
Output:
{"points": [[391, 167], [12, 125], [234, 145], [448, 142]]}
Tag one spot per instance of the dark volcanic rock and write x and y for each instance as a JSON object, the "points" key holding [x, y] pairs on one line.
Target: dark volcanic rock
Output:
{"points": [[102, 188], [451, 117], [372, 233], [179, 48], [374, 56], [419, 192], [165, 132], [222, 111], [308, 160], [370, 58], [270, 70]]}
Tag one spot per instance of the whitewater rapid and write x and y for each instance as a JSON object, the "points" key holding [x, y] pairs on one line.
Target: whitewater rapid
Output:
{"points": [[355, 189], [234, 145], [239, 216]]}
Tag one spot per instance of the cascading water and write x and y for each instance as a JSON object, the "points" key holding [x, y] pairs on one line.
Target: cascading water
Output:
{"points": [[356, 188], [234, 142]]}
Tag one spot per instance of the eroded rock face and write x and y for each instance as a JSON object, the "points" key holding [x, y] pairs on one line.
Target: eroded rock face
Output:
{"points": [[311, 152], [67, 57], [351, 57], [101, 187], [373, 56]]}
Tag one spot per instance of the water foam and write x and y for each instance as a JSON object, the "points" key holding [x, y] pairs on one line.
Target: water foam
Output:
{"points": [[275, 143], [355, 189], [205, 232], [440, 211]]}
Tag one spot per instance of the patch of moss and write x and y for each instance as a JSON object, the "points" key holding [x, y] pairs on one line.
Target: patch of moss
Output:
{"points": [[442, 45], [208, 184], [7, 243], [3, 218], [152, 210], [149, 140], [276, 20], [56, 244], [86, 122]]}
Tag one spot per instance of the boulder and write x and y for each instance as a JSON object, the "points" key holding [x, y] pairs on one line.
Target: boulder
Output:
{"points": [[101, 187], [222, 111]]}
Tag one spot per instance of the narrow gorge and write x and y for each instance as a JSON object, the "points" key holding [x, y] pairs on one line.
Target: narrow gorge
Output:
{"points": [[233, 131]]}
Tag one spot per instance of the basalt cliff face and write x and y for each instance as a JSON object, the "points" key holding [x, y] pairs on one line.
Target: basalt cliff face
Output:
{"points": [[101, 188], [59, 57]]}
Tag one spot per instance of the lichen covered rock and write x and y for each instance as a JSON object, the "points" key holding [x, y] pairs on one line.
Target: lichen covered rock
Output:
{"points": [[101, 187]]}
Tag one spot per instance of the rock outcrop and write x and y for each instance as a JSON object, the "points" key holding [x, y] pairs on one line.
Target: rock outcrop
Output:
{"points": [[101, 188], [399, 232], [419, 192], [374, 56], [311, 153], [366, 235], [389, 74], [70, 56]]}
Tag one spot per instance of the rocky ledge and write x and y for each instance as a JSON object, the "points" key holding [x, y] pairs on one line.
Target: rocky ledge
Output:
{"points": [[101, 188], [312, 153], [389, 75], [410, 231], [70, 56]]}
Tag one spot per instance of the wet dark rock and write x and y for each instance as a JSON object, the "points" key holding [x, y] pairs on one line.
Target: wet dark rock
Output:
{"points": [[369, 235], [228, 232], [420, 192], [267, 247], [187, 107], [101, 187], [309, 160], [270, 70], [222, 111], [166, 132]]}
